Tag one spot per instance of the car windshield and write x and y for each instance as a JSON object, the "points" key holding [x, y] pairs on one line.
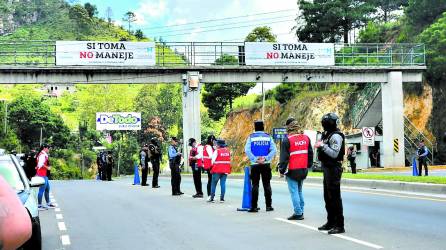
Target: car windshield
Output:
{"points": [[9, 172]]}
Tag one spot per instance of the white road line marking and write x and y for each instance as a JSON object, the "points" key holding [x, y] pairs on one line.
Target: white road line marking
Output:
{"points": [[360, 242], [57, 209], [59, 216], [62, 226], [65, 240]]}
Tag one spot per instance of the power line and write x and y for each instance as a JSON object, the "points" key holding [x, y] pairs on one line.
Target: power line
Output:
{"points": [[235, 27], [222, 25], [243, 38], [220, 19]]}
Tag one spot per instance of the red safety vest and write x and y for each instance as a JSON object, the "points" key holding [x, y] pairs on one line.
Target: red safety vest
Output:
{"points": [[222, 164], [299, 144], [207, 161], [43, 170], [199, 160]]}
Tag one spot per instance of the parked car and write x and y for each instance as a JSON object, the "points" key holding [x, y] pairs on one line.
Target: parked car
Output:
{"points": [[12, 171]]}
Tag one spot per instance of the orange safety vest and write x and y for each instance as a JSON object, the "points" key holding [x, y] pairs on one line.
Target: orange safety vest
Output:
{"points": [[299, 144], [222, 164], [43, 170], [207, 161]]}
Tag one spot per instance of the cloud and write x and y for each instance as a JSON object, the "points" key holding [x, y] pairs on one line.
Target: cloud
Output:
{"points": [[149, 9]]}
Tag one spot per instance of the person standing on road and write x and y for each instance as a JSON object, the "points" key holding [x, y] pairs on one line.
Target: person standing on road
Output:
{"points": [[196, 164], [296, 156], [208, 151], [351, 157], [260, 149], [422, 153], [174, 164], [331, 150], [109, 162], [155, 159], [42, 171], [144, 163], [221, 167]]}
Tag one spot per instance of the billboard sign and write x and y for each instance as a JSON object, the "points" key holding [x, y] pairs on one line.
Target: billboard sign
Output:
{"points": [[72, 53], [118, 121], [302, 54]]}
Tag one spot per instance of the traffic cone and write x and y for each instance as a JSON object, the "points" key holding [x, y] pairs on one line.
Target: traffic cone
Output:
{"points": [[136, 180], [247, 193], [414, 167]]}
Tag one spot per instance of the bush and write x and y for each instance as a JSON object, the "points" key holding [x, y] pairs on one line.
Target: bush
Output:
{"points": [[285, 92]]}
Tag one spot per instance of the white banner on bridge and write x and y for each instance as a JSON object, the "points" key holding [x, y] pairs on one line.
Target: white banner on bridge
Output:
{"points": [[306, 54], [118, 121], [105, 53]]}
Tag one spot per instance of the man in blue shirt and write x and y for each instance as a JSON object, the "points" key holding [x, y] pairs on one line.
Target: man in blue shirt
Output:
{"points": [[174, 164], [260, 149]]}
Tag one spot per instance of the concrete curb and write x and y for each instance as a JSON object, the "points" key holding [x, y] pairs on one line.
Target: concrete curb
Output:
{"points": [[412, 187]]}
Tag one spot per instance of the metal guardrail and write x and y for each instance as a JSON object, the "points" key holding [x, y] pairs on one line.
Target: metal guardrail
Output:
{"points": [[365, 98], [413, 135], [42, 53]]}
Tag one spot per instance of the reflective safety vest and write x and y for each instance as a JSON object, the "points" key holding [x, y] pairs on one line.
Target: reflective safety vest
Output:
{"points": [[299, 144], [42, 171], [207, 159], [260, 144], [200, 160], [222, 164]]}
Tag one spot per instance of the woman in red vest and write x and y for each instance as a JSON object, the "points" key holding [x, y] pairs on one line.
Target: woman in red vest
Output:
{"points": [[296, 156], [42, 170], [208, 151], [221, 167], [196, 164]]}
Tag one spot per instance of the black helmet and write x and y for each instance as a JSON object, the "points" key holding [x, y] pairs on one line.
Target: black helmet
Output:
{"points": [[153, 140], [330, 122]]}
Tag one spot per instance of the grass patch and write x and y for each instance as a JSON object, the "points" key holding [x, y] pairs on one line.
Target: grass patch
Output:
{"points": [[418, 179]]}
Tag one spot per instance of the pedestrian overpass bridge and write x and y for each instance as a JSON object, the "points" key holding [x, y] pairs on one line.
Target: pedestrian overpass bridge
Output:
{"points": [[390, 65]]}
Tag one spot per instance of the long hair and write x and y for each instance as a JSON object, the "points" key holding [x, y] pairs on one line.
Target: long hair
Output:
{"points": [[210, 140]]}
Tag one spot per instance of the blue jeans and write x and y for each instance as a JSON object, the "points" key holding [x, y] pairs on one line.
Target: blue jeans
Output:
{"points": [[215, 178], [45, 188], [297, 197]]}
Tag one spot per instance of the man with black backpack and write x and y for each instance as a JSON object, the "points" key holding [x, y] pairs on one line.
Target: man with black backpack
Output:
{"points": [[331, 150], [155, 159], [109, 165]]}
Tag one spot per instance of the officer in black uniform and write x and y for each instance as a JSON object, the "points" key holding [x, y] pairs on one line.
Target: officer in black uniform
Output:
{"points": [[331, 150], [144, 163], [155, 159]]}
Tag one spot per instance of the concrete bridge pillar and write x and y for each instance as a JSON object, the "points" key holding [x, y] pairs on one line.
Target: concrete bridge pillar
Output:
{"points": [[393, 120], [191, 111]]}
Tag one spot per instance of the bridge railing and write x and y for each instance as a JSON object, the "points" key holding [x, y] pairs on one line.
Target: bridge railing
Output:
{"points": [[42, 53]]}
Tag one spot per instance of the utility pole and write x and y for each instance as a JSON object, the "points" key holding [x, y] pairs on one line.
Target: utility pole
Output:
{"points": [[129, 17], [6, 116], [263, 103], [41, 135]]}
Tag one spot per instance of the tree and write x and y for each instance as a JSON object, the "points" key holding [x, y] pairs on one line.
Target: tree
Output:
{"points": [[139, 34], [387, 7], [421, 13], [129, 17], [331, 20], [109, 14], [261, 34], [91, 9], [285, 92], [218, 96], [81, 18]]}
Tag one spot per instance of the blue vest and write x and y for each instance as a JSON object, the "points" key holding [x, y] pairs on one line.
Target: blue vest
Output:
{"points": [[260, 144]]}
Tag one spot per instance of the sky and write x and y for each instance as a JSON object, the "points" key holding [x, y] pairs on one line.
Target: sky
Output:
{"points": [[154, 15]]}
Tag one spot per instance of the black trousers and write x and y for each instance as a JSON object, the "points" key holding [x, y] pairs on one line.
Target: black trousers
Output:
{"points": [[144, 173], [196, 173], [353, 165], [109, 170], [208, 186], [175, 176], [156, 173], [332, 194], [261, 171], [422, 162]]}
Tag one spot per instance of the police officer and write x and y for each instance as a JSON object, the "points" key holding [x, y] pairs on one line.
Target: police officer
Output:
{"points": [[155, 159], [109, 162], [174, 164], [260, 149], [331, 150], [296, 156], [144, 164], [422, 153]]}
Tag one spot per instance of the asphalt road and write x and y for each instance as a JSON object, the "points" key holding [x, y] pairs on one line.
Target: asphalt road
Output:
{"points": [[117, 215]]}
